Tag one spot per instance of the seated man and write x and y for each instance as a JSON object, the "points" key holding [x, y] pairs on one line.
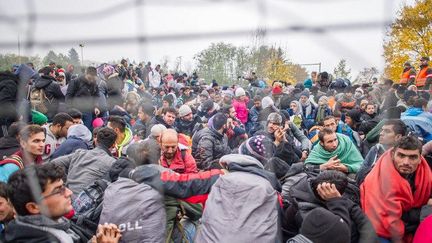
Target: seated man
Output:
{"points": [[32, 141], [341, 128], [187, 123], [230, 214], [40, 201], [85, 166], [328, 190], [396, 189], [175, 156], [391, 132], [56, 133], [209, 144], [335, 152], [276, 130]]}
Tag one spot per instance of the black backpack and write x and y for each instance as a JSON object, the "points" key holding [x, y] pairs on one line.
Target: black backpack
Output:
{"points": [[88, 206]]}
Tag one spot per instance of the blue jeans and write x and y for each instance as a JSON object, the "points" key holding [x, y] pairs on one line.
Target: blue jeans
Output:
{"points": [[87, 118]]}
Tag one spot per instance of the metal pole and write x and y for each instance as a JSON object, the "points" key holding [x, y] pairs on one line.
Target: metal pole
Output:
{"points": [[82, 54]]}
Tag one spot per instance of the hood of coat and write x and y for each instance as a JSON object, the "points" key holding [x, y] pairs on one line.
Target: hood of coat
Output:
{"points": [[240, 159], [44, 81], [80, 131]]}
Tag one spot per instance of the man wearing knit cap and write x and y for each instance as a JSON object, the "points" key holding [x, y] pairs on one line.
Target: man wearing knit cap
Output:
{"points": [[253, 213], [187, 121]]}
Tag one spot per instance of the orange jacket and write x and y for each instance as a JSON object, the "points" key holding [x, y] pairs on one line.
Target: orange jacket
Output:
{"points": [[407, 75], [422, 76]]}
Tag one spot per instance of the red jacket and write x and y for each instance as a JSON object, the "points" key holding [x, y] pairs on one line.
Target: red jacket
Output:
{"points": [[183, 162], [385, 195]]}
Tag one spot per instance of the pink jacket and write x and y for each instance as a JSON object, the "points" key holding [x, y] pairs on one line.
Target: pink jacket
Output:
{"points": [[241, 109]]}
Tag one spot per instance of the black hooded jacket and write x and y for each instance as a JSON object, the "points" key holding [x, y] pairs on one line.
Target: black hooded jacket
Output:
{"points": [[8, 97], [52, 92]]}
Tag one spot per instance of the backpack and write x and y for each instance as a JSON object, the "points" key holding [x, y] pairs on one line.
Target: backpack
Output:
{"points": [[37, 99], [88, 206]]}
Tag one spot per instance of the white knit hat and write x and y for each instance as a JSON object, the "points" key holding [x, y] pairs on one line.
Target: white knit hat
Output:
{"points": [[240, 92], [184, 110], [266, 102], [157, 130]]}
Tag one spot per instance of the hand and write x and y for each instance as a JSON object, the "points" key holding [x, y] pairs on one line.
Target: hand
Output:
{"points": [[279, 136], [304, 156], [330, 163], [96, 111], [107, 233], [429, 201], [328, 191], [340, 167]]}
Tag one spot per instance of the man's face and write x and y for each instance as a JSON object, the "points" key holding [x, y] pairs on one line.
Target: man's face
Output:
{"points": [[257, 104], [348, 94], [406, 161], [187, 92], [142, 115], [303, 99], [349, 121], [273, 127], [91, 78], [203, 98], [116, 130], [217, 98], [232, 113], [169, 147], [370, 109], [169, 118], [6, 210], [387, 135], [62, 130], [57, 199], [35, 144], [165, 104], [423, 62], [188, 117], [77, 121], [330, 143], [331, 123], [363, 105]]}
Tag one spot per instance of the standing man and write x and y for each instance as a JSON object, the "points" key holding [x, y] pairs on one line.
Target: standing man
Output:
{"points": [[154, 77], [424, 76], [408, 75], [83, 94]]}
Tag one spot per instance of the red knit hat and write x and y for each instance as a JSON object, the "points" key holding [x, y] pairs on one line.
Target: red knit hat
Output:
{"points": [[277, 90]]}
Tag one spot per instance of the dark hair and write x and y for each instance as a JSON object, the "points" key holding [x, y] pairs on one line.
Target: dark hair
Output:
{"points": [[29, 131], [123, 61], [14, 128], [139, 153], [20, 183], [147, 108], [106, 137], [61, 119], [420, 103], [339, 179], [328, 118], [398, 126], [225, 109], [91, 71], [46, 70], [219, 120], [75, 114], [117, 122], [169, 110], [4, 190], [257, 98], [409, 143], [323, 132]]}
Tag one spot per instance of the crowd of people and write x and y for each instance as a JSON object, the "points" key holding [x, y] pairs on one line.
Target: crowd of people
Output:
{"points": [[125, 153]]}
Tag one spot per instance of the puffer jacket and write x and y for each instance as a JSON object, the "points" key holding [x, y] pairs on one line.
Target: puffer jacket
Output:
{"points": [[228, 218], [241, 110], [186, 127], [208, 145], [52, 92]]}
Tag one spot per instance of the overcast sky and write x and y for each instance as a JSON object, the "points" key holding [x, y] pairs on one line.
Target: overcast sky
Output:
{"points": [[71, 25]]}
